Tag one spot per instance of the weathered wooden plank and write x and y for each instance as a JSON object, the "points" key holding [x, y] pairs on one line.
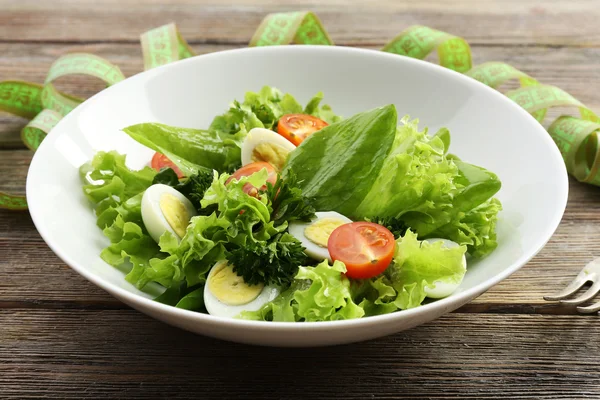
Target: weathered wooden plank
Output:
{"points": [[120, 353], [13, 166], [61, 337], [557, 22]]}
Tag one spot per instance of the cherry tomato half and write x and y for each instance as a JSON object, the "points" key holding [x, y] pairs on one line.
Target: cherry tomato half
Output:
{"points": [[160, 161], [248, 170], [365, 247], [297, 127]]}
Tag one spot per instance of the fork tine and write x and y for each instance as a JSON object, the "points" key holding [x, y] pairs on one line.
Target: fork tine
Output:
{"points": [[589, 309], [588, 295], [573, 287]]}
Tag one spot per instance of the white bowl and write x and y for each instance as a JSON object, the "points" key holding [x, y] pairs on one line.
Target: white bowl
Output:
{"points": [[487, 129]]}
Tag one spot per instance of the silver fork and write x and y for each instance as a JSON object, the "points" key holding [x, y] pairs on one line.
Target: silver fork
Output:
{"points": [[590, 273]]}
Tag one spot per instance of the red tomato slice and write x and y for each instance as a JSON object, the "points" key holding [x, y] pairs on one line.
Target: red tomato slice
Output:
{"points": [[160, 161], [297, 127], [251, 168], [365, 247]]}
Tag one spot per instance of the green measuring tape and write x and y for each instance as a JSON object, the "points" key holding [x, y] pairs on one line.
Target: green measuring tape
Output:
{"points": [[44, 105]]}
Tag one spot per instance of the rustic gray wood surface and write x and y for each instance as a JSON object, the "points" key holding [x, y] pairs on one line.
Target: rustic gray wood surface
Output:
{"points": [[61, 337]]}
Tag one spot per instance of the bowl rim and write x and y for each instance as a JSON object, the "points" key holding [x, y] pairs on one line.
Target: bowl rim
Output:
{"points": [[438, 307]]}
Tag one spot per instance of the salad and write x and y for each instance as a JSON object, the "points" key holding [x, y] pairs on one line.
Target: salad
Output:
{"points": [[279, 212]]}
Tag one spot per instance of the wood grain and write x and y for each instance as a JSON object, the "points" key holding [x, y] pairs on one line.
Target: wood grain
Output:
{"points": [[556, 22], [124, 354], [62, 337]]}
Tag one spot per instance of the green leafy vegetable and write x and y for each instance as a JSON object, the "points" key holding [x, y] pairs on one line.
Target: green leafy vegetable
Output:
{"points": [[430, 193], [126, 234], [210, 238], [323, 293], [320, 293], [274, 262], [117, 192], [283, 308], [192, 187], [418, 265], [338, 164], [401, 178], [108, 181], [231, 199], [181, 296], [365, 167], [238, 120], [194, 300], [171, 295], [264, 108], [165, 271], [376, 296], [415, 183], [475, 228], [394, 225], [208, 149], [287, 201], [166, 176]]}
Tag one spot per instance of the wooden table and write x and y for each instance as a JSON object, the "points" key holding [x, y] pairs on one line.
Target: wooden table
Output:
{"points": [[61, 337]]}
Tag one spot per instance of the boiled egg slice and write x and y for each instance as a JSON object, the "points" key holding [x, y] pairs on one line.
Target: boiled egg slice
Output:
{"points": [[314, 234], [227, 295], [164, 209], [265, 145], [441, 289]]}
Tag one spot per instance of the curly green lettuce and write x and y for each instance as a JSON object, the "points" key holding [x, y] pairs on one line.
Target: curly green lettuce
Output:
{"points": [[117, 194], [418, 265], [400, 176], [263, 109], [324, 293], [320, 293]]}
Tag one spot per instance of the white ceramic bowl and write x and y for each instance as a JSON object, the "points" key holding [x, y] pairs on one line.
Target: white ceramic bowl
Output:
{"points": [[487, 129]]}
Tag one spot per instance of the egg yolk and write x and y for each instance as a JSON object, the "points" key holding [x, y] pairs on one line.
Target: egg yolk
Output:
{"points": [[175, 213], [319, 231], [271, 153], [229, 288]]}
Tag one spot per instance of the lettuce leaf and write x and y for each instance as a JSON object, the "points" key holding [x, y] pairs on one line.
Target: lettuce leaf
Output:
{"points": [[117, 193], [415, 183], [337, 165], [108, 181], [323, 112], [239, 221], [418, 265], [376, 296], [209, 149], [432, 194], [193, 301], [400, 177], [263, 109], [475, 228], [231, 198], [282, 309], [323, 293], [238, 120], [320, 293], [477, 186]]}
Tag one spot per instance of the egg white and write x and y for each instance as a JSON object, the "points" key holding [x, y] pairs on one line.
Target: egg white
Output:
{"points": [[152, 215], [441, 289], [215, 307], [312, 249], [257, 136]]}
